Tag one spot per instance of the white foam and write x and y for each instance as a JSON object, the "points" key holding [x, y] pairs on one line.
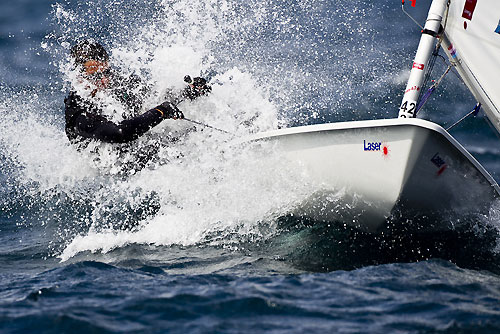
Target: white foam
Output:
{"points": [[39, 148], [205, 184], [215, 188]]}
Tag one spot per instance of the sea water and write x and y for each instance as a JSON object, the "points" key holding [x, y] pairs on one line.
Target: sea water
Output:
{"points": [[202, 239]]}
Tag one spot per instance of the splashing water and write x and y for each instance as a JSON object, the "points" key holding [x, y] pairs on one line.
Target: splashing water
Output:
{"points": [[267, 69], [200, 187], [205, 229]]}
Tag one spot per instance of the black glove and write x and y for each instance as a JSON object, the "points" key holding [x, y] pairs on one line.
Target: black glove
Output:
{"points": [[169, 110], [197, 87]]}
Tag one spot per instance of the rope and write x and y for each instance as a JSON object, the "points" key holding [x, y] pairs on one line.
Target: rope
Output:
{"points": [[407, 14], [423, 99], [430, 68], [203, 124], [426, 96], [474, 111], [207, 126]]}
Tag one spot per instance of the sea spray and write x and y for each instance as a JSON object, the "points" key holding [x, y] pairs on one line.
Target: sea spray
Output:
{"points": [[234, 275], [201, 184], [206, 193]]}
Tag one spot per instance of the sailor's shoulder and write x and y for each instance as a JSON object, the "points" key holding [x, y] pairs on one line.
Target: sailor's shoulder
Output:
{"points": [[72, 98]]}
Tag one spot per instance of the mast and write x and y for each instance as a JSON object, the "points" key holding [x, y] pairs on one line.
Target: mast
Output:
{"points": [[425, 47]]}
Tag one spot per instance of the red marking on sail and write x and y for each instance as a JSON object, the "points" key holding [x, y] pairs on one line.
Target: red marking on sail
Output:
{"points": [[469, 7], [413, 2]]}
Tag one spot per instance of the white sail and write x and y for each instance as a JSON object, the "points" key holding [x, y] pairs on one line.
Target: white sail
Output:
{"points": [[472, 42]]}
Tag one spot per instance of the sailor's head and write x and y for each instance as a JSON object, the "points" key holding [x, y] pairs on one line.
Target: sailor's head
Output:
{"points": [[92, 60]]}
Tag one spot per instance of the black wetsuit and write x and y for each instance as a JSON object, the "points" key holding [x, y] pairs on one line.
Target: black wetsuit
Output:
{"points": [[84, 121]]}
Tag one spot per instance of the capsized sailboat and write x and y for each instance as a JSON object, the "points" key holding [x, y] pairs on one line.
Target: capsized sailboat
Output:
{"points": [[405, 165]]}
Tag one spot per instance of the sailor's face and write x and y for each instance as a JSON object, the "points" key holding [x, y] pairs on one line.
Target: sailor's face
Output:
{"points": [[97, 72]]}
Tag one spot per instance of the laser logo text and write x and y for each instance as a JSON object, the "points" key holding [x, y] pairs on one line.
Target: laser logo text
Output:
{"points": [[373, 146]]}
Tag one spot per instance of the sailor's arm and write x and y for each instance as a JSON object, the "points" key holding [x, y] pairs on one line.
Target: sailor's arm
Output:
{"points": [[97, 127]]}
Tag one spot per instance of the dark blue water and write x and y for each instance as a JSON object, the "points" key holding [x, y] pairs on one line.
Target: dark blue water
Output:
{"points": [[81, 250]]}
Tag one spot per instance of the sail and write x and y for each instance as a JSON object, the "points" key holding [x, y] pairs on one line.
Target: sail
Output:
{"points": [[472, 42]]}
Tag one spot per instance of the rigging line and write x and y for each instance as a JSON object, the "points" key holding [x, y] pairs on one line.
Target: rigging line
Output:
{"points": [[429, 71], [454, 70], [426, 96], [208, 126], [432, 62], [435, 54], [407, 14], [203, 124], [446, 15], [423, 99], [473, 111]]}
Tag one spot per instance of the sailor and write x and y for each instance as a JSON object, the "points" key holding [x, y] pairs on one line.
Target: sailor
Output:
{"points": [[85, 120]]}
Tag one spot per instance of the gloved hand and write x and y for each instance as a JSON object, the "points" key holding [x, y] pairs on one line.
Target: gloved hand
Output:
{"points": [[197, 87], [169, 110]]}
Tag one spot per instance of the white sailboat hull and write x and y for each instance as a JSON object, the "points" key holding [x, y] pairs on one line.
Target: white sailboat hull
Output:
{"points": [[379, 167]]}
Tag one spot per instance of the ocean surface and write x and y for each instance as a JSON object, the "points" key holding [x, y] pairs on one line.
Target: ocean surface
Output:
{"points": [[202, 240]]}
